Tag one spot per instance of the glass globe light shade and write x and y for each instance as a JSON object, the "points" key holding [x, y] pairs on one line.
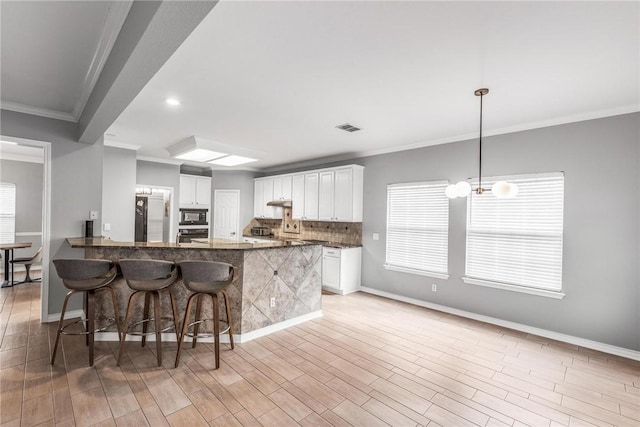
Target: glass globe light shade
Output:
{"points": [[501, 189], [451, 191], [513, 190], [463, 188]]}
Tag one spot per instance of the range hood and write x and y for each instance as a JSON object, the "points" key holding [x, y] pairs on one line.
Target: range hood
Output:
{"points": [[280, 203]]}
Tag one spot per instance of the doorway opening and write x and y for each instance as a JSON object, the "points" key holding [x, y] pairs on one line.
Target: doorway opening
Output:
{"points": [[154, 214]]}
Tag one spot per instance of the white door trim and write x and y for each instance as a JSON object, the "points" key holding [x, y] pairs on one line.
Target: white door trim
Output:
{"points": [[215, 217], [46, 219]]}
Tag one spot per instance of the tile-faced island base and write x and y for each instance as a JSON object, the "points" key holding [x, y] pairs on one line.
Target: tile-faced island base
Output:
{"points": [[289, 273]]}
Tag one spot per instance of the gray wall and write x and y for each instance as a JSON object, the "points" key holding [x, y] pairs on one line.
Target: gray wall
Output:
{"points": [[162, 175], [28, 179], [118, 194], [601, 161], [76, 185], [235, 180]]}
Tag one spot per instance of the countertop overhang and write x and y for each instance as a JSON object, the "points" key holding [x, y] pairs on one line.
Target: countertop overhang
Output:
{"points": [[102, 242]]}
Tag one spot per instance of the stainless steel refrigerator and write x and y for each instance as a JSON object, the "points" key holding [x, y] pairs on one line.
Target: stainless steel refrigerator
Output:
{"points": [[149, 218]]}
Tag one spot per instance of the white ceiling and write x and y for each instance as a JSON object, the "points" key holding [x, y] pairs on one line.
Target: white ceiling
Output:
{"points": [[277, 77], [53, 52]]}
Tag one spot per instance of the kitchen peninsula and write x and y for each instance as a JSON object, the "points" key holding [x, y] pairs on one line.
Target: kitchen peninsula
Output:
{"points": [[289, 271]]}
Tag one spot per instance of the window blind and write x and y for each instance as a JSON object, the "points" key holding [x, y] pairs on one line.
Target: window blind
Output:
{"points": [[7, 212], [417, 227], [518, 241]]}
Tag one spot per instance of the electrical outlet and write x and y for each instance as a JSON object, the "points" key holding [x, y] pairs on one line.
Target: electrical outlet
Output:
{"points": [[106, 226], [376, 236], [272, 302], [93, 214], [434, 287]]}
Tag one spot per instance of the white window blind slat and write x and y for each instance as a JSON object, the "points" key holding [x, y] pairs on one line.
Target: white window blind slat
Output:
{"points": [[518, 241], [7, 212], [418, 227]]}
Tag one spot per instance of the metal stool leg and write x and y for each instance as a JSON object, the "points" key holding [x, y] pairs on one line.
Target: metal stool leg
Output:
{"points": [[185, 326], [85, 307], [228, 310]]}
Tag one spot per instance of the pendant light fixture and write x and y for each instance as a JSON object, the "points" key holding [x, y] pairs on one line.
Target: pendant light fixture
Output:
{"points": [[463, 188]]}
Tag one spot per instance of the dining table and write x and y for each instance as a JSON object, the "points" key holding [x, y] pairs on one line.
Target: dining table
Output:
{"points": [[8, 249]]}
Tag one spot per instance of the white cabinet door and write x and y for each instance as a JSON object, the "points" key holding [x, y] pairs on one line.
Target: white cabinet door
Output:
{"points": [[187, 190], [287, 187], [258, 199], [331, 271], [267, 196], [203, 192], [297, 196], [343, 195], [325, 196], [311, 196]]}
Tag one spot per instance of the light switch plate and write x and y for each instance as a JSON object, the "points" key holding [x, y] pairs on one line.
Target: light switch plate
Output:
{"points": [[376, 236], [93, 214]]}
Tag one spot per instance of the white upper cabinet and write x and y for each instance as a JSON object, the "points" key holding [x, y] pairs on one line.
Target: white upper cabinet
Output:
{"points": [[262, 194], [340, 195], [332, 194], [311, 196], [195, 191]]}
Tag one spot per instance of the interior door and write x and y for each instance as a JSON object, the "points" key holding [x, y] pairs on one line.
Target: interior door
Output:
{"points": [[226, 214]]}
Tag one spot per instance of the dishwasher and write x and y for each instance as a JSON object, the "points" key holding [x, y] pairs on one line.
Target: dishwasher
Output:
{"points": [[341, 269]]}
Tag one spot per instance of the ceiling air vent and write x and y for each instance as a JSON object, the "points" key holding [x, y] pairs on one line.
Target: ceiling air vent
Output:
{"points": [[348, 127]]}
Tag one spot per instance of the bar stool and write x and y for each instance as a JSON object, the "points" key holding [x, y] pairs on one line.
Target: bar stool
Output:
{"points": [[148, 277], [86, 276], [206, 278]]}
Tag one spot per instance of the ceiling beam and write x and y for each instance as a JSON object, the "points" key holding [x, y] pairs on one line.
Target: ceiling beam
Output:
{"points": [[151, 33]]}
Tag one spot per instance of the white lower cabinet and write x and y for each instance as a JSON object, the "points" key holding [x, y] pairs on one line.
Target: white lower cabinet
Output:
{"points": [[341, 269]]}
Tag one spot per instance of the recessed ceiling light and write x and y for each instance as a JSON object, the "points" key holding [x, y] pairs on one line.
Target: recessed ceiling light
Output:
{"points": [[8, 142], [200, 155], [172, 101], [232, 160]]}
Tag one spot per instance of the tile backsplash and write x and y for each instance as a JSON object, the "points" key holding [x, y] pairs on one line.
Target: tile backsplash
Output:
{"points": [[349, 233]]}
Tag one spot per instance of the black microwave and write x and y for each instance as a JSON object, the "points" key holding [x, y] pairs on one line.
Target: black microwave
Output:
{"points": [[193, 216]]}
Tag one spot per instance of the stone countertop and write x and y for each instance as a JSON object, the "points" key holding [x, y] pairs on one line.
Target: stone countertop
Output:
{"points": [[324, 243], [102, 242]]}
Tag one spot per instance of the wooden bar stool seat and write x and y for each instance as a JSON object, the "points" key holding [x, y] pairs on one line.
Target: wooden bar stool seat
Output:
{"points": [[148, 278], [206, 278], [86, 276]]}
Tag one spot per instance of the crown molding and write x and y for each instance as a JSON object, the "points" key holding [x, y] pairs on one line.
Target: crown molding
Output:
{"points": [[35, 111], [22, 158], [592, 115], [124, 145], [113, 24], [159, 160]]}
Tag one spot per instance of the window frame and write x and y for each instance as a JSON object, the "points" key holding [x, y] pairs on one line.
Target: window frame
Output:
{"points": [[438, 188], [557, 293]]}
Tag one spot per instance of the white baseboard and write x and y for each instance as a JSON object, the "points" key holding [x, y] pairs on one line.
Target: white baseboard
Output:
{"points": [[570, 339], [224, 338], [279, 326], [68, 315]]}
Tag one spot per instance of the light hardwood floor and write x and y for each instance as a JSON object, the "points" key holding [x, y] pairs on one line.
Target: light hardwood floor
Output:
{"points": [[367, 362]]}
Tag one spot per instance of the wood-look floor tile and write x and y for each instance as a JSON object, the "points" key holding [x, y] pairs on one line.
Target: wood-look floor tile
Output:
{"points": [[516, 412], [399, 407], [188, 416], [357, 416], [347, 390], [90, 407], [226, 398], [250, 398], [11, 405], [314, 420], [460, 409], [402, 395], [246, 419], [62, 407], [226, 420], [37, 410], [207, 404], [387, 414], [122, 401], [169, 397], [154, 416], [132, 419], [277, 417], [290, 404]]}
